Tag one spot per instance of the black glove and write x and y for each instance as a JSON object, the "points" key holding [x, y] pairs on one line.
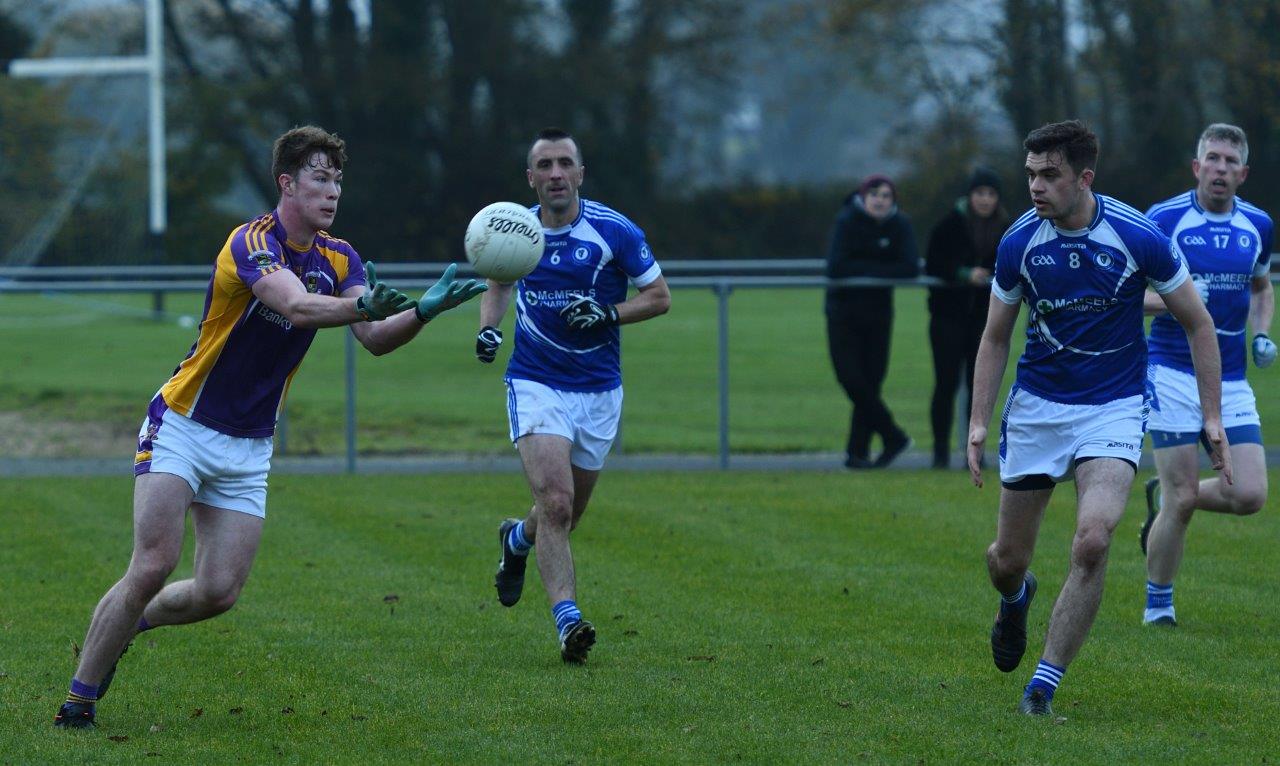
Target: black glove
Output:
{"points": [[487, 342], [585, 313]]}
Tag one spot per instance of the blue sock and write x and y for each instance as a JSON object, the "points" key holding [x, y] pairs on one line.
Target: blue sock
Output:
{"points": [[565, 613], [1047, 677], [1159, 596], [82, 693], [1015, 601], [516, 541]]}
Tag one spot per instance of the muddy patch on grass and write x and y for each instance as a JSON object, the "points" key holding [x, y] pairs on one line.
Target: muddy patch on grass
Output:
{"points": [[23, 435]]}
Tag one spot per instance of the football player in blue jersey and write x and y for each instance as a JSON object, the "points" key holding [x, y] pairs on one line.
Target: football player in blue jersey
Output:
{"points": [[564, 380], [1081, 262], [1227, 243]]}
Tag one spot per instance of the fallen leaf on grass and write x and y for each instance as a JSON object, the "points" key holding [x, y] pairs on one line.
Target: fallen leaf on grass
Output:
{"points": [[155, 727], [818, 661], [236, 710], [286, 711], [843, 703], [118, 738], [197, 712], [390, 598], [359, 717], [701, 658]]}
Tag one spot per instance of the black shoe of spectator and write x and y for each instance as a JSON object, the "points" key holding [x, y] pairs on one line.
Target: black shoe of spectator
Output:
{"points": [[893, 450]]}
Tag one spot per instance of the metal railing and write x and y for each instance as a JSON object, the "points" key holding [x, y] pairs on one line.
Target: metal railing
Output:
{"points": [[721, 277]]}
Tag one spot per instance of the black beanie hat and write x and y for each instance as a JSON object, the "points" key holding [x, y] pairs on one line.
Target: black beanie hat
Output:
{"points": [[984, 176]]}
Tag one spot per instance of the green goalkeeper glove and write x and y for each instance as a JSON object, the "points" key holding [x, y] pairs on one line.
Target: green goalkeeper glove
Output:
{"points": [[446, 294], [380, 300]]}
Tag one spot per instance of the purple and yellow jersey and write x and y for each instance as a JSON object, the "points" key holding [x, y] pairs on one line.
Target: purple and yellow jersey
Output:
{"points": [[236, 375]]}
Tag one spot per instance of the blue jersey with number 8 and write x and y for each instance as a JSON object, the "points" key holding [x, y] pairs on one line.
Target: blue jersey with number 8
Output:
{"points": [[1084, 293]]}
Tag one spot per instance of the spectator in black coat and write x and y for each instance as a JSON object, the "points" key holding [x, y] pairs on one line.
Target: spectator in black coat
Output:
{"points": [[962, 253], [871, 238]]}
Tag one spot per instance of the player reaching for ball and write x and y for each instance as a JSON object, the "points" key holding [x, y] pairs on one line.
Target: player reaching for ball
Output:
{"points": [[205, 444], [564, 382]]}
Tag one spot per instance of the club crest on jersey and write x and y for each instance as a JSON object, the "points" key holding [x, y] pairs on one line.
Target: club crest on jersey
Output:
{"points": [[314, 279], [263, 259], [1103, 259], [581, 254], [645, 254], [1246, 244]]}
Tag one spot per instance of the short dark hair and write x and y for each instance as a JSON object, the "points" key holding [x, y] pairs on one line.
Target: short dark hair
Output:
{"points": [[552, 134], [1221, 131], [294, 147], [1073, 139]]}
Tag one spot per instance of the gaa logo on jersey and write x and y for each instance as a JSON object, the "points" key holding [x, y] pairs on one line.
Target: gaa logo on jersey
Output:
{"points": [[1103, 259], [581, 254]]}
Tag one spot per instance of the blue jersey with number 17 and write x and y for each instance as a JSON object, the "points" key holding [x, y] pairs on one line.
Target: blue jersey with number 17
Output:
{"points": [[1084, 290], [596, 255], [1225, 251]]}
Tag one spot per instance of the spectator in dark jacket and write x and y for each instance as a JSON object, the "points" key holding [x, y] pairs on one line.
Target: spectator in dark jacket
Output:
{"points": [[962, 253], [871, 238]]}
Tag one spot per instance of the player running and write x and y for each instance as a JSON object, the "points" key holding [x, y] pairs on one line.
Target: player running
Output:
{"points": [[1081, 262], [205, 444], [1227, 244], [564, 380]]}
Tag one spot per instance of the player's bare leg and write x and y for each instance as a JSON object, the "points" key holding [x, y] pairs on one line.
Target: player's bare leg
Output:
{"points": [[554, 482], [160, 502], [1182, 492], [159, 517], [1102, 488], [1008, 559], [1178, 468], [226, 543]]}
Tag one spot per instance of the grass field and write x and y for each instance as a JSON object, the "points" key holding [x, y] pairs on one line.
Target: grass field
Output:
{"points": [[80, 369], [757, 618]]}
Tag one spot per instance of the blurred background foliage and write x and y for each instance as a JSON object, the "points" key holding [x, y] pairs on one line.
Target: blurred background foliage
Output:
{"points": [[725, 128]]}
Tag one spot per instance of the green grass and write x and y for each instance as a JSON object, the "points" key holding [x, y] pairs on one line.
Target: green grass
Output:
{"points": [[760, 618], [433, 397], [79, 371]]}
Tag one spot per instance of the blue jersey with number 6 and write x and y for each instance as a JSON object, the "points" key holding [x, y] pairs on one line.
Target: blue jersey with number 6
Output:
{"points": [[1225, 251], [1084, 293], [596, 255]]}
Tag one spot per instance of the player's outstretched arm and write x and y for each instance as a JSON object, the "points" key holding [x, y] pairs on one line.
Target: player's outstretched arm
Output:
{"points": [[988, 371], [285, 294], [447, 293], [1185, 305], [1262, 307]]}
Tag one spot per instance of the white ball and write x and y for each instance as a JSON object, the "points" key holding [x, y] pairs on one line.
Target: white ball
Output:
{"points": [[504, 241], [186, 321]]}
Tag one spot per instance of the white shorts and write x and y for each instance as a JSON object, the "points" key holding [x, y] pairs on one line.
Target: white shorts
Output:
{"points": [[1175, 402], [224, 471], [1043, 438], [589, 420]]}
